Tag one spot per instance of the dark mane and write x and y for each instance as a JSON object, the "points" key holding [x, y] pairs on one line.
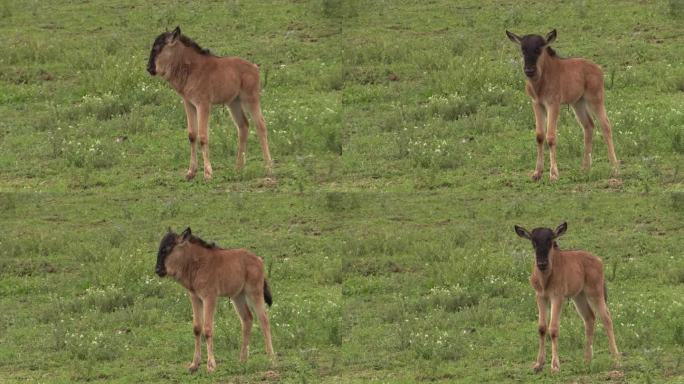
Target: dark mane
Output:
{"points": [[551, 52], [196, 240], [191, 43]]}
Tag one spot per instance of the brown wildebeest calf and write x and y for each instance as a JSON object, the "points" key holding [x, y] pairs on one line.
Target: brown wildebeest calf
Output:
{"points": [[552, 81], [558, 275], [208, 272], [204, 80]]}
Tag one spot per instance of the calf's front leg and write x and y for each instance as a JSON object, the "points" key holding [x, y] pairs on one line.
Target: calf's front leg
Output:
{"points": [[209, 306], [191, 115], [553, 111], [554, 329], [539, 122], [197, 330], [541, 356], [203, 112]]}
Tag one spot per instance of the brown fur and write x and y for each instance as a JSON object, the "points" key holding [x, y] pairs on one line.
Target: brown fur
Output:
{"points": [[208, 272], [204, 80], [567, 274], [575, 82]]}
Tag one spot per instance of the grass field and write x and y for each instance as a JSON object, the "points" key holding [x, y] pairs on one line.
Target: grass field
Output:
{"points": [[403, 144]]}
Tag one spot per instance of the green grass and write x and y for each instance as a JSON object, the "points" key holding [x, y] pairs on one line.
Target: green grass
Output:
{"points": [[403, 143]]}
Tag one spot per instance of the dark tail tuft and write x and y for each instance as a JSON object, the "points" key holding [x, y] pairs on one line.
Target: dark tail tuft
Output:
{"points": [[605, 292], [267, 294]]}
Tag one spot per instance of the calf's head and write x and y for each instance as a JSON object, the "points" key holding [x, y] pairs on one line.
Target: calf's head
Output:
{"points": [[532, 46], [170, 244], [162, 50], [543, 240]]}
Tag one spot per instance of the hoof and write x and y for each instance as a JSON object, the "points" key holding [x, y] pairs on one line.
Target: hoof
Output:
{"points": [[207, 175], [536, 176], [616, 375], [586, 164], [537, 367], [269, 182], [243, 357], [211, 365], [617, 364], [271, 375], [615, 171], [190, 175], [193, 367]]}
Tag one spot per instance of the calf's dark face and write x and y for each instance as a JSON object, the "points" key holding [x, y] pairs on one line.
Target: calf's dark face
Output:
{"points": [[542, 241], [157, 47], [532, 47], [165, 247]]}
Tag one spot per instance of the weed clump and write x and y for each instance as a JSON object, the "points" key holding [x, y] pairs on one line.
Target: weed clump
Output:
{"points": [[676, 8]]}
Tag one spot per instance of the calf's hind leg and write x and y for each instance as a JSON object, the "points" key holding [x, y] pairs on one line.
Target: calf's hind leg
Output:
{"points": [[256, 298], [242, 310], [584, 310], [242, 130], [260, 123], [599, 110], [583, 117], [599, 306]]}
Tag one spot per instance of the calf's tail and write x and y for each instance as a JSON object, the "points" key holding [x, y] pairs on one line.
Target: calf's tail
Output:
{"points": [[267, 294], [605, 292]]}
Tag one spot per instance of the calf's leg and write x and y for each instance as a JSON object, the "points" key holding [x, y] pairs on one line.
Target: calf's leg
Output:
{"points": [[584, 310], [209, 306], [541, 355], [197, 330], [556, 306]]}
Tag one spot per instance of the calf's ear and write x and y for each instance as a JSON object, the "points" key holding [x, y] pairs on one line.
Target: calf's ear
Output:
{"points": [[185, 235], [522, 232], [176, 33], [560, 230], [551, 37], [514, 38]]}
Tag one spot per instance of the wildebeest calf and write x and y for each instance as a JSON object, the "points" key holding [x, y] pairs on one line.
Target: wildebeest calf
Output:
{"points": [[551, 82], [204, 80], [558, 275], [208, 272]]}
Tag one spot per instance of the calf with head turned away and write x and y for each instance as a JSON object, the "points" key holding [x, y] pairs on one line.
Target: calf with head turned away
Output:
{"points": [[204, 80], [208, 272], [559, 275]]}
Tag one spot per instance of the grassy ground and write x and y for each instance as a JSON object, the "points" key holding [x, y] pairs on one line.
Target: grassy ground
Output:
{"points": [[403, 143]]}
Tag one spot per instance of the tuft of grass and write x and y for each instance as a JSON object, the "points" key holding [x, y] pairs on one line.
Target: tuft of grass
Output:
{"points": [[340, 201], [677, 199], [336, 9], [5, 10], [678, 142], [676, 8]]}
